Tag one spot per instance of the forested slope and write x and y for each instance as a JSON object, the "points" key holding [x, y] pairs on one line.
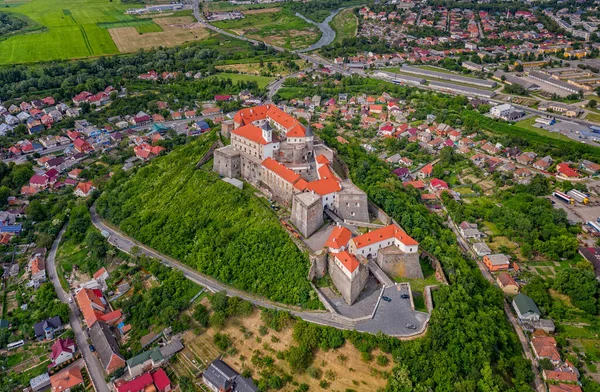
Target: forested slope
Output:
{"points": [[193, 216]]}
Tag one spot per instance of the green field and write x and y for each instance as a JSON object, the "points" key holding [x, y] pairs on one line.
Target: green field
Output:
{"points": [[141, 25], [235, 77], [71, 30], [528, 124], [276, 28], [345, 25]]}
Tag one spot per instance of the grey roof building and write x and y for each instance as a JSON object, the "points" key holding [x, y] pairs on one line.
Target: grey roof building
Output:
{"points": [[220, 377], [40, 382], [526, 309], [106, 347], [46, 328]]}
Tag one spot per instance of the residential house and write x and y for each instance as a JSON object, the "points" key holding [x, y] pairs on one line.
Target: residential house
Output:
{"points": [[84, 189], [590, 167], [63, 350], [507, 283], [426, 171], [546, 347], [106, 347], [496, 262], [526, 308], [37, 267], [47, 328], [95, 308], [82, 146], [564, 388], [558, 376], [564, 170], [39, 383], [470, 230], [74, 174], [543, 164], [145, 151], [156, 381], [219, 377], [66, 379], [481, 249]]}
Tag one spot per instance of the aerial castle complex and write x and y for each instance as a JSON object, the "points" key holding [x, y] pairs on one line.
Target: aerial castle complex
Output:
{"points": [[273, 150], [278, 154]]}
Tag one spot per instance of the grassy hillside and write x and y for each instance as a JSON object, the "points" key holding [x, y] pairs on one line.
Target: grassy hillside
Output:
{"points": [[224, 232]]}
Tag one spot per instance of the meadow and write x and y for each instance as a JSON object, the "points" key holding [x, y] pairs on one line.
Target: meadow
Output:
{"points": [[345, 25], [276, 28], [262, 81]]}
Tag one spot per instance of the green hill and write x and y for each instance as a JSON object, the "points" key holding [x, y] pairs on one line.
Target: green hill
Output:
{"points": [[224, 232]]}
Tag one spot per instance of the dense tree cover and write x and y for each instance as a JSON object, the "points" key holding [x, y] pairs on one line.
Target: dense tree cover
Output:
{"points": [[13, 177], [10, 23], [171, 296], [469, 345], [581, 286], [357, 45], [223, 232], [67, 78], [522, 216]]}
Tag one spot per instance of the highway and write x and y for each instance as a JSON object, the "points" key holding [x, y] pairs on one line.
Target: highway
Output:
{"points": [[93, 364]]}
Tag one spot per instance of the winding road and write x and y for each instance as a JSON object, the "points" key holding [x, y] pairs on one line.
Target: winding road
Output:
{"points": [[391, 321], [93, 364]]}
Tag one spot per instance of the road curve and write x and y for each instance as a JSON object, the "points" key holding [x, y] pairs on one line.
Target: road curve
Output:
{"points": [[93, 365], [125, 243]]}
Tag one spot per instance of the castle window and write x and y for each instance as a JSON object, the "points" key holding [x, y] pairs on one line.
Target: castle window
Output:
{"points": [[358, 204]]}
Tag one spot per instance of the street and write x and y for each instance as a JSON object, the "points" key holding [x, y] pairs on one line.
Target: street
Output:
{"points": [[93, 365]]}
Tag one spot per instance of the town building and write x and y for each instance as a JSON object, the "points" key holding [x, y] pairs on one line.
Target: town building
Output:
{"points": [[526, 308], [496, 262], [507, 283], [46, 329], [66, 379], [106, 347], [62, 350]]}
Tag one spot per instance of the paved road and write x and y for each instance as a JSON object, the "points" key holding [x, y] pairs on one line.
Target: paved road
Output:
{"points": [[93, 365]]}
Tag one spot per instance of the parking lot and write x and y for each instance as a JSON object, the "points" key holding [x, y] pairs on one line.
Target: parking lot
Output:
{"points": [[393, 317]]}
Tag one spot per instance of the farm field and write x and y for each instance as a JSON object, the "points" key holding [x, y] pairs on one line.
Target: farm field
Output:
{"points": [[275, 28], [235, 77], [171, 31], [345, 25], [71, 30]]}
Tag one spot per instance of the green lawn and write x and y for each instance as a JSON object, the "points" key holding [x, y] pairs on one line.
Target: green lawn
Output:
{"points": [[442, 70], [345, 25], [528, 124], [593, 117], [235, 77], [71, 30], [275, 28]]}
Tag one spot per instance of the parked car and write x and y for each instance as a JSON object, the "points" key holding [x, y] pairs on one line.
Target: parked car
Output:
{"points": [[386, 299], [405, 296], [92, 348], [411, 326]]}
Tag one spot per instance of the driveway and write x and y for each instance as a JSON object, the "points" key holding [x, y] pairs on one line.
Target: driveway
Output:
{"points": [[95, 369]]}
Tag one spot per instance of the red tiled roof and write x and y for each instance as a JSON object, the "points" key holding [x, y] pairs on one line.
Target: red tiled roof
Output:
{"points": [[348, 260], [282, 171], [339, 237], [564, 388], [251, 132], [161, 380], [324, 186], [553, 375], [84, 187], [137, 384], [66, 379], [391, 231], [564, 169], [99, 273], [322, 159]]}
